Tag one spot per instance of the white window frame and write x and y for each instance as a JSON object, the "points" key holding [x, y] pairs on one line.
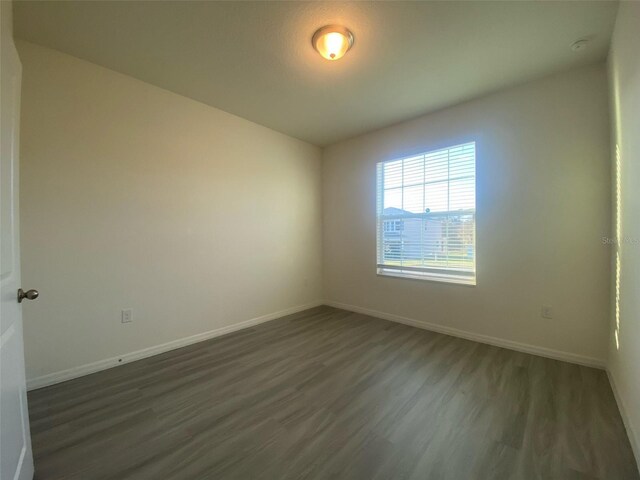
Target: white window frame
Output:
{"points": [[455, 276]]}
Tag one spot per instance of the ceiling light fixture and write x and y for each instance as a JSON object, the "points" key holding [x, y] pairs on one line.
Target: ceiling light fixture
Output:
{"points": [[332, 41]]}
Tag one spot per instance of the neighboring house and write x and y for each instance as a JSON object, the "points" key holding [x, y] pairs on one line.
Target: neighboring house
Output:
{"points": [[423, 240], [416, 238]]}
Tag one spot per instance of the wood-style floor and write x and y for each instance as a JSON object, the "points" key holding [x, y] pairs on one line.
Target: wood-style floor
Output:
{"points": [[332, 394]]}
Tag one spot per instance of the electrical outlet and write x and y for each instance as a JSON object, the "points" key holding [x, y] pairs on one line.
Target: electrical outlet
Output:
{"points": [[547, 311], [127, 316]]}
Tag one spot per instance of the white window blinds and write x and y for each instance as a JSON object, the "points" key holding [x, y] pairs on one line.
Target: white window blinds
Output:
{"points": [[426, 215]]}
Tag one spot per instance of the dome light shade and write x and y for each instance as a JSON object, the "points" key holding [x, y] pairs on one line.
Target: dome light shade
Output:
{"points": [[332, 41]]}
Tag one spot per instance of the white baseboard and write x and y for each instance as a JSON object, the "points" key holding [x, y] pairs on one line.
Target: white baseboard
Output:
{"points": [[79, 371], [477, 337], [93, 367], [634, 439]]}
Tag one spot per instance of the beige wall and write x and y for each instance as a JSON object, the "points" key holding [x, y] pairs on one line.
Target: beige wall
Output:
{"points": [[543, 206], [624, 355], [134, 197]]}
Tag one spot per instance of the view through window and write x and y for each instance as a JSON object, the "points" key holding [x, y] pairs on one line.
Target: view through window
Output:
{"points": [[426, 215]]}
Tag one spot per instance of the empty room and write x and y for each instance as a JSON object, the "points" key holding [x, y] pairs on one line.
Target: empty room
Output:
{"points": [[368, 240]]}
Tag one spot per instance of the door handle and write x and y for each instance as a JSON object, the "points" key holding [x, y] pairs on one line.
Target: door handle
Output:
{"points": [[29, 295]]}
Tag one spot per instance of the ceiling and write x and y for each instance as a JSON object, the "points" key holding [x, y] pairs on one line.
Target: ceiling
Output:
{"points": [[255, 59]]}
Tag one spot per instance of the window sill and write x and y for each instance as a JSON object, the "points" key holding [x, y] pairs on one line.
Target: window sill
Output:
{"points": [[429, 277]]}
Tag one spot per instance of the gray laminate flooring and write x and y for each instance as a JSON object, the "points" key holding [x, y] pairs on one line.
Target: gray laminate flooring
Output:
{"points": [[331, 394]]}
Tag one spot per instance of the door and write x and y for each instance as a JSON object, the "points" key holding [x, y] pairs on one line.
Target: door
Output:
{"points": [[16, 462]]}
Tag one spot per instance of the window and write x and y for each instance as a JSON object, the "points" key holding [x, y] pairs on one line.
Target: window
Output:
{"points": [[393, 226], [426, 215]]}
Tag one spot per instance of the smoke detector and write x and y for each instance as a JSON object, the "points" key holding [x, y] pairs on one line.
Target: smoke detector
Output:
{"points": [[579, 45]]}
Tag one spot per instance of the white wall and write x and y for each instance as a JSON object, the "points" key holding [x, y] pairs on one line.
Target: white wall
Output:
{"points": [[624, 355], [135, 197], [543, 206]]}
